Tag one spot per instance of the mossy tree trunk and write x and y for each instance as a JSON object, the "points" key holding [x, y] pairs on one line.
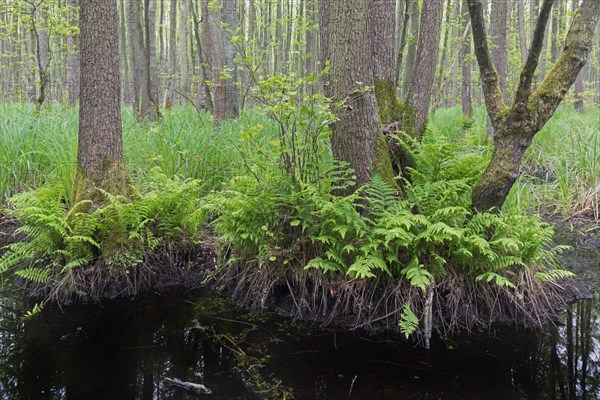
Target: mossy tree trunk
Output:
{"points": [[516, 125], [382, 29], [100, 154], [354, 134]]}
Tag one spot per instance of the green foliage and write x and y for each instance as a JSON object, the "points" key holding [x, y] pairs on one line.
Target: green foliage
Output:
{"points": [[117, 235], [408, 321], [269, 218]]}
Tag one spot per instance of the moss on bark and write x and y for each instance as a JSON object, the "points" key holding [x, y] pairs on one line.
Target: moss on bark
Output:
{"points": [[111, 175]]}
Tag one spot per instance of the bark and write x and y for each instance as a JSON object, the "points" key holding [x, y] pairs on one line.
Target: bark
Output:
{"points": [[383, 44], [73, 53], [411, 55], [325, 34], [232, 98], [214, 45], [465, 53], [516, 126], [100, 151], [172, 55], [381, 32], [151, 54], [402, 38], [521, 28], [142, 103], [579, 84], [204, 95], [42, 53], [499, 39], [353, 135], [184, 73], [419, 93], [127, 74]]}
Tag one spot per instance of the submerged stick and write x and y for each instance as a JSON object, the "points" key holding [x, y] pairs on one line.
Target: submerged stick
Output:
{"points": [[189, 386]]}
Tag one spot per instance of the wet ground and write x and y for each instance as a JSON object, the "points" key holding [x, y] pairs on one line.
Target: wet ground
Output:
{"points": [[125, 350]]}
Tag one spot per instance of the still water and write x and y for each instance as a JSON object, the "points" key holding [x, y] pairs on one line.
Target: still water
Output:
{"points": [[126, 349]]}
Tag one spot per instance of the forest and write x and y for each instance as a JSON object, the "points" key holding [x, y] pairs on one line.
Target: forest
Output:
{"points": [[425, 169]]}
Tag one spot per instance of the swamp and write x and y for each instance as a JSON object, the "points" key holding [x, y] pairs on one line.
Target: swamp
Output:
{"points": [[299, 199]]}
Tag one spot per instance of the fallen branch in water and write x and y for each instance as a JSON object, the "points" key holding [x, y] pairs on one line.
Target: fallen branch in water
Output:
{"points": [[189, 386]]}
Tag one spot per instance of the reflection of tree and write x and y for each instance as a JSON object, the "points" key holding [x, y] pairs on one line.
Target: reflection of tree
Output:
{"points": [[569, 364]]}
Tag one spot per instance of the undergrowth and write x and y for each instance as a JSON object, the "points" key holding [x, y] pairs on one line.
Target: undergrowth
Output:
{"points": [[115, 237]]}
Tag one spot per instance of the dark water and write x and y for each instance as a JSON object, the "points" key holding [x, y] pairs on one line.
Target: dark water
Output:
{"points": [[125, 350]]}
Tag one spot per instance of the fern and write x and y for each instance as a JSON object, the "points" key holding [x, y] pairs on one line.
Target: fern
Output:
{"points": [[408, 321], [498, 279], [417, 275]]}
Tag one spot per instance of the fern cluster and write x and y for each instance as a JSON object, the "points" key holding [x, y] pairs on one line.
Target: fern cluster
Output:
{"points": [[116, 235]]}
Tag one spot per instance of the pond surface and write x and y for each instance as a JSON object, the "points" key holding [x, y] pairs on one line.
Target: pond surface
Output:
{"points": [[126, 349]]}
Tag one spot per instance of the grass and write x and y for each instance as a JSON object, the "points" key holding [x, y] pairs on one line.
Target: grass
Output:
{"points": [[561, 172], [34, 151]]}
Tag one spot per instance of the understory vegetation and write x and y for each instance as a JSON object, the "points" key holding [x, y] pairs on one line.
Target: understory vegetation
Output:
{"points": [[264, 193]]}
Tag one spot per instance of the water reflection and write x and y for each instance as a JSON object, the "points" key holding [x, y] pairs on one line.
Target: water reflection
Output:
{"points": [[119, 351], [125, 350]]}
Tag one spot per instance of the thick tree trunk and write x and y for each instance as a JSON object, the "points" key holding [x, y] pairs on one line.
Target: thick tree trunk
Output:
{"points": [[419, 93], [383, 44], [100, 152], [73, 52], [353, 136], [516, 126]]}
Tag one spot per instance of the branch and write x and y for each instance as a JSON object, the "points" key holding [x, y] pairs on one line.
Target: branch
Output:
{"points": [[537, 43], [494, 100], [578, 46]]}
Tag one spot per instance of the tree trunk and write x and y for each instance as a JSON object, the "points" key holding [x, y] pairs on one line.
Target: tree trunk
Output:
{"points": [[516, 126], [419, 93], [42, 53], [143, 106], [579, 84], [465, 54], [411, 55], [402, 38], [127, 88], [353, 135], [184, 74], [204, 95], [521, 29], [499, 39], [73, 53], [100, 152], [230, 18], [151, 54], [383, 49], [172, 55], [216, 60], [325, 35]]}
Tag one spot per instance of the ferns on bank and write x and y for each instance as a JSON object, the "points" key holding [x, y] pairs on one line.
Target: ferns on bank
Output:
{"points": [[117, 235]]}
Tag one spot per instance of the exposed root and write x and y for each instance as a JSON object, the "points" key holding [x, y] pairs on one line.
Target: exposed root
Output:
{"points": [[160, 270], [458, 304]]}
